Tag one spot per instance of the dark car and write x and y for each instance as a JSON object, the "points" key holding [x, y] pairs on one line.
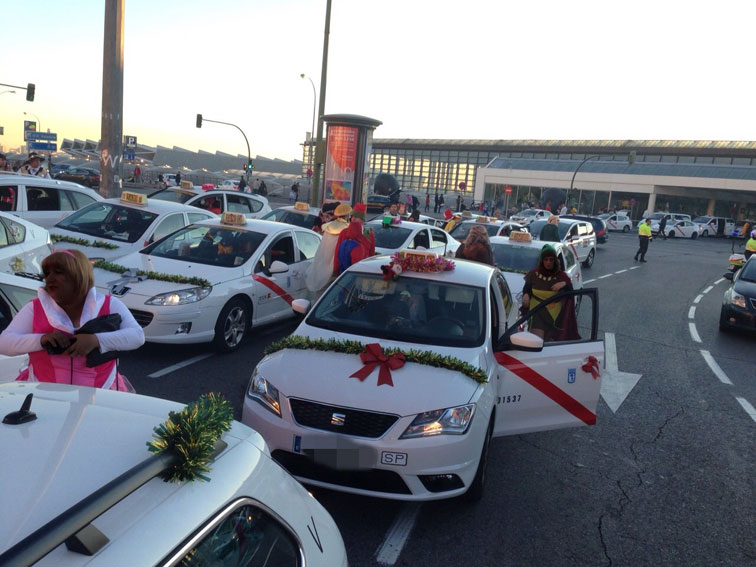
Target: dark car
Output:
{"points": [[377, 202], [599, 226], [739, 301], [81, 175]]}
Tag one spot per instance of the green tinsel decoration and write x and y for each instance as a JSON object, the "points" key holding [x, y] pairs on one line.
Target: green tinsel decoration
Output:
{"points": [[192, 434], [82, 242], [355, 347], [118, 269], [512, 270]]}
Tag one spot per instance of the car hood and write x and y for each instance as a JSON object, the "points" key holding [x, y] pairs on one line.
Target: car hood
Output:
{"points": [[325, 377], [747, 288], [93, 251]]}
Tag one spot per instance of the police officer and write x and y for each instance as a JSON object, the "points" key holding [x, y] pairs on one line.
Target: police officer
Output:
{"points": [[750, 247], [33, 166], [644, 236]]}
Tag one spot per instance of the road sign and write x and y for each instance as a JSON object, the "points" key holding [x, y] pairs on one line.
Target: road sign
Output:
{"points": [[128, 155], [130, 141], [29, 126], [43, 146], [38, 136], [508, 190]]}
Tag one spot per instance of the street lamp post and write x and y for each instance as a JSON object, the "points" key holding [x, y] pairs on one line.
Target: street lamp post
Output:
{"points": [[313, 141], [630, 160]]}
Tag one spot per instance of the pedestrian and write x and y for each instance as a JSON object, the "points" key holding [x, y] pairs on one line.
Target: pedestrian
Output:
{"points": [[557, 321], [410, 203], [5, 166], [476, 247], [256, 185], [47, 328], [325, 216], [264, 189], [294, 193], [33, 166], [436, 208], [550, 231], [459, 201], [321, 270], [138, 174], [563, 210], [662, 226], [427, 202], [161, 181], [355, 242], [178, 179], [414, 216], [644, 236], [242, 184], [415, 204]]}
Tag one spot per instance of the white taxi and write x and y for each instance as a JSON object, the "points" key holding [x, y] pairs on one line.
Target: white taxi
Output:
{"points": [[682, 229], [493, 226], [299, 214], [398, 235], [525, 217], [15, 292], [578, 235], [617, 221], [517, 254], [113, 228], [394, 386], [214, 280], [217, 201], [80, 487], [23, 245]]}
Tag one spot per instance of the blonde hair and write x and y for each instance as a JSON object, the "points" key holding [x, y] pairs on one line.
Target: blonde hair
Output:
{"points": [[75, 265]]}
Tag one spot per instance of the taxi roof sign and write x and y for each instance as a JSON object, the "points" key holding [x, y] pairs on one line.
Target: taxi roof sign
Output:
{"points": [[300, 206], [517, 236], [236, 219], [482, 219], [186, 185], [133, 198]]}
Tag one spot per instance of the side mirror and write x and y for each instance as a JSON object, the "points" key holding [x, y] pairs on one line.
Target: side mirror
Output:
{"points": [[727, 276], [527, 341], [278, 267], [301, 306]]}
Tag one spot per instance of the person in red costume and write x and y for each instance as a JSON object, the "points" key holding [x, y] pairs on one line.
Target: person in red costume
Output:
{"points": [[355, 243]]}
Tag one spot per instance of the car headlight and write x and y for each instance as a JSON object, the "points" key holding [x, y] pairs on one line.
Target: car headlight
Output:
{"points": [[180, 297], [264, 392], [451, 421], [738, 300]]}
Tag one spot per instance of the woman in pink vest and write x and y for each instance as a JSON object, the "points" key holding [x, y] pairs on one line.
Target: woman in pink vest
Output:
{"points": [[66, 302]]}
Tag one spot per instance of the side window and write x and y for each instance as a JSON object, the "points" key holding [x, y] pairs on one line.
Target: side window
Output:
{"points": [[420, 240], [248, 536], [16, 232], [79, 199], [255, 205], [66, 201], [210, 203], [282, 249], [562, 264], [168, 225], [197, 217], [583, 229], [494, 315], [42, 199], [569, 257], [307, 244], [574, 231], [439, 238], [506, 296], [4, 236], [238, 204], [8, 200]]}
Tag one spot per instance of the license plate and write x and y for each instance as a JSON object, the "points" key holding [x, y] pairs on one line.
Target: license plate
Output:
{"points": [[394, 459]]}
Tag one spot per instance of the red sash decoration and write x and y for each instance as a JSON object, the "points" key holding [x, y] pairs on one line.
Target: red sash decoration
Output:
{"points": [[275, 288], [372, 357], [591, 365], [547, 388]]}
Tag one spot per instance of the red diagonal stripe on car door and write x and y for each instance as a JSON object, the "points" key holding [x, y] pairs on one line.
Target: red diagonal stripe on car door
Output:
{"points": [[271, 285]]}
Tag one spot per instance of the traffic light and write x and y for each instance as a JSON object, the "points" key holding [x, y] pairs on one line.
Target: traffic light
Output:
{"points": [[251, 165], [245, 167], [199, 121], [30, 92]]}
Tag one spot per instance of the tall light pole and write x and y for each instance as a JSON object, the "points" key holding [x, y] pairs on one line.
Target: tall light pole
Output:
{"points": [[313, 141], [319, 149], [630, 160], [201, 119]]}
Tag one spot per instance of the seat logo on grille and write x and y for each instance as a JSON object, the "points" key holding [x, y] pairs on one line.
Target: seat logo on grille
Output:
{"points": [[338, 419]]}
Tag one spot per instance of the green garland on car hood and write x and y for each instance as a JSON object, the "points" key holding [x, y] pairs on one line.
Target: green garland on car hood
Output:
{"points": [[83, 242], [355, 347], [118, 269], [191, 434]]}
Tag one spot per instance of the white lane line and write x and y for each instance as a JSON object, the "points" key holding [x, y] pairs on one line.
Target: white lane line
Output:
{"points": [[708, 289], [694, 333], [605, 276], [634, 268], [698, 298], [692, 312], [750, 410], [398, 534], [720, 280], [589, 281], [715, 368], [175, 367], [620, 272]]}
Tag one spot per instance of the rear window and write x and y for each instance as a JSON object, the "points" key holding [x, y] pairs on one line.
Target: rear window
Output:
{"points": [[389, 236], [172, 196], [512, 258], [304, 220]]}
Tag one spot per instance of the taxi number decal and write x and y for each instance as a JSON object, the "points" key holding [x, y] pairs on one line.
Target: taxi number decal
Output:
{"points": [[396, 459], [508, 399]]}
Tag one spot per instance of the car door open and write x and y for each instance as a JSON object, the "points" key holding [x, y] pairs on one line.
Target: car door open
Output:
{"points": [[555, 383]]}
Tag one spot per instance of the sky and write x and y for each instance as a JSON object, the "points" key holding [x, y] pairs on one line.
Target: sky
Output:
{"points": [[478, 69]]}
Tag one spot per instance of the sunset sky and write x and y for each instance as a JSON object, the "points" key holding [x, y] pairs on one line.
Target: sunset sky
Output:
{"points": [[479, 69]]}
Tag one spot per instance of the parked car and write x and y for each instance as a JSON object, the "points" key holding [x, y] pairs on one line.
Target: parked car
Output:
{"points": [[15, 292], [682, 228], [526, 216], [81, 175], [23, 245], [95, 496], [715, 226], [617, 221], [42, 201], [600, 227], [299, 214], [390, 238], [738, 309], [494, 227], [578, 235], [217, 201], [377, 202]]}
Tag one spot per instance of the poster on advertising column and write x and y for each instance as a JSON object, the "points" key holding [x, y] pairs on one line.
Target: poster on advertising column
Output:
{"points": [[340, 163]]}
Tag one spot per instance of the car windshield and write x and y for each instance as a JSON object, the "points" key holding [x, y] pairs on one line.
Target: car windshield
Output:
{"points": [[657, 216], [605, 216], [461, 231], [289, 216], [748, 272], [537, 226], [212, 245], [109, 221], [513, 258], [527, 213], [702, 220], [409, 309], [172, 196], [392, 236]]}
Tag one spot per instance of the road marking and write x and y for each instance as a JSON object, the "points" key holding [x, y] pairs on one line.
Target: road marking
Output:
{"points": [[750, 410], [620, 272], [715, 368], [634, 268], [175, 367], [589, 281], [398, 534], [692, 312], [604, 276], [720, 280], [693, 332], [615, 385], [698, 298], [708, 289]]}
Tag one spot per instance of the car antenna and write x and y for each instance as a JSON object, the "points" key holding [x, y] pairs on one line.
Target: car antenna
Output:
{"points": [[23, 415]]}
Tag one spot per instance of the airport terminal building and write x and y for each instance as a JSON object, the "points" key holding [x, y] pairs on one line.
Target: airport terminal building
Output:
{"points": [[696, 177]]}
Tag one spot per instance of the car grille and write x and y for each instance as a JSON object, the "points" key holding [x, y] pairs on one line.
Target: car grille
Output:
{"points": [[144, 318], [355, 422], [372, 479]]}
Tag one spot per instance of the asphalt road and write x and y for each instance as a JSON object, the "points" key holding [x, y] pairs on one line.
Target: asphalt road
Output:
{"points": [[669, 479]]}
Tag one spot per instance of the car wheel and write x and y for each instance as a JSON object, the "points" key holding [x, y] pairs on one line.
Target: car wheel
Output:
{"points": [[588, 262], [693, 236], [705, 233], [626, 229], [671, 234], [475, 492], [231, 326]]}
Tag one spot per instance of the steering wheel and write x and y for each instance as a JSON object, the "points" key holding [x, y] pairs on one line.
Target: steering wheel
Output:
{"points": [[447, 325], [397, 322]]}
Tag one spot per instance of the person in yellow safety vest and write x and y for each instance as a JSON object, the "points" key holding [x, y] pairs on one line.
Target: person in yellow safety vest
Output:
{"points": [[644, 236], [750, 247]]}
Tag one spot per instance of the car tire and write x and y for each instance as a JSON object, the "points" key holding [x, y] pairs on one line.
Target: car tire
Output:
{"points": [[232, 325], [693, 236], [588, 262], [626, 229], [705, 233], [671, 234], [477, 486]]}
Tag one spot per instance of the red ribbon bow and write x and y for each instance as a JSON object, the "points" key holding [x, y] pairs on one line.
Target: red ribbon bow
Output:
{"points": [[372, 357], [592, 366]]}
